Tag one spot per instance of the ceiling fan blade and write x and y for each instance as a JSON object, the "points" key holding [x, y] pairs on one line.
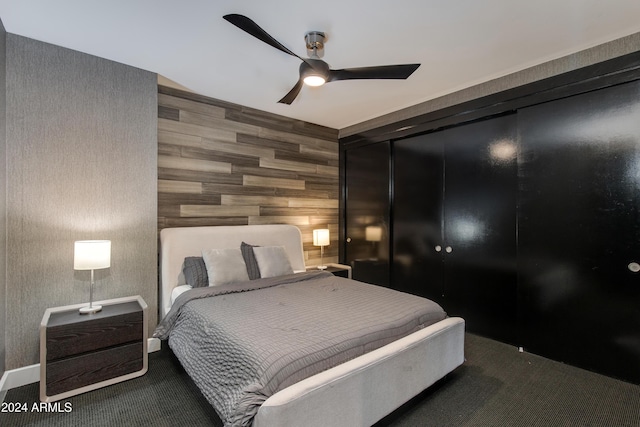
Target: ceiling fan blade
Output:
{"points": [[293, 93], [380, 72], [254, 29]]}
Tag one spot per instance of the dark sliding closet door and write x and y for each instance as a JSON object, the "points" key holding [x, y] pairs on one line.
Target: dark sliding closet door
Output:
{"points": [[418, 216], [579, 230], [367, 179], [480, 200], [454, 222]]}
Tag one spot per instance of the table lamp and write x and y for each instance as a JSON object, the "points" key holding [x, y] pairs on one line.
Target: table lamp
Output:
{"points": [[321, 238], [91, 255]]}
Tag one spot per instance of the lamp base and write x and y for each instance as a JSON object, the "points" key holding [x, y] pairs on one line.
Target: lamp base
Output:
{"points": [[90, 309], [322, 267]]}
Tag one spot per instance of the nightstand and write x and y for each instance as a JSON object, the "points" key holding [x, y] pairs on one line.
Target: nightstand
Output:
{"points": [[83, 352], [336, 269]]}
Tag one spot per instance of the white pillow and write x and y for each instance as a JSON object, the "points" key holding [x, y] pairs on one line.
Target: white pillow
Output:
{"points": [[225, 266], [272, 260]]}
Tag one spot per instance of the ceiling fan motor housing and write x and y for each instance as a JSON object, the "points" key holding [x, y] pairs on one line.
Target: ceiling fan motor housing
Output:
{"points": [[319, 68]]}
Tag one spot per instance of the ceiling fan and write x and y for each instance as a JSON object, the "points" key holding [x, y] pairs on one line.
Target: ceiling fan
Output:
{"points": [[313, 70]]}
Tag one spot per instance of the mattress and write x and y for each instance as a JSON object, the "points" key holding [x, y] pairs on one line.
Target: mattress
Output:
{"points": [[242, 343]]}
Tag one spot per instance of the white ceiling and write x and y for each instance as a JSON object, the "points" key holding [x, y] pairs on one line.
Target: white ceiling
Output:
{"points": [[458, 42]]}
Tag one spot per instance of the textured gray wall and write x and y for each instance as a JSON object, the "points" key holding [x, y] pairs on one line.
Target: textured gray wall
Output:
{"points": [[3, 193], [82, 164], [567, 63]]}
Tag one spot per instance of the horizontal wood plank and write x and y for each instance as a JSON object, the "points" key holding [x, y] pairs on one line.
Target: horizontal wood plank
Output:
{"points": [[199, 176], [221, 124], [224, 164], [177, 199], [196, 130], [292, 220], [217, 211], [243, 200], [237, 148], [265, 172], [320, 152], [173, 186], [168, 113], [313, 203], [310, 212], [268, 143], [193, 164], [288, 165], [261, 181], [175, 221], [179, 139], [186, 105]]}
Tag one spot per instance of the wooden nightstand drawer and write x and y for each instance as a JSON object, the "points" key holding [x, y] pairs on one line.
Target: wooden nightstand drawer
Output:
{"points": [[91, 368], [70, 333], [82, 352]]}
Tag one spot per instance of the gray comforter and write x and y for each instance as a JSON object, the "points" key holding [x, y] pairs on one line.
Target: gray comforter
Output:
{"points": [[242, 343]]}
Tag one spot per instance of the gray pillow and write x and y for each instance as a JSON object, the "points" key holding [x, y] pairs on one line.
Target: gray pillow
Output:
{"points": [[250, 260], [273, 261], [195, 272], [225, 266]]}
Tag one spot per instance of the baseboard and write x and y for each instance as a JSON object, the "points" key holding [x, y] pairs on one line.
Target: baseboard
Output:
{"points": [[31, 374], [19, 377]]}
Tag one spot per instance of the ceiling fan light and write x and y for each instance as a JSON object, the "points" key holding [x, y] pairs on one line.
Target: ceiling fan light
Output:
{"points": [[314, 80]]}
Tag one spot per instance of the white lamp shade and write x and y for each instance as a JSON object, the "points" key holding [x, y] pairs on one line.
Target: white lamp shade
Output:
{"points": [[373, 233], [321, 237], [91, 254]]}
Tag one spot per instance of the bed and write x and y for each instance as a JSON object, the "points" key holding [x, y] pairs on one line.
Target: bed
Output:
{"points": [[353, 384]]}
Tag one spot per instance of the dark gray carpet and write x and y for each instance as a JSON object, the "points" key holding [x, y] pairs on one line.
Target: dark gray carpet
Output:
{"points": [[497, 386], [164, 396]]}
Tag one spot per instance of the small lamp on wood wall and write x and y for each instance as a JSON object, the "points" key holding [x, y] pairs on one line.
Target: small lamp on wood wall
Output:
{"points": [[321, 238], [91, 255]]}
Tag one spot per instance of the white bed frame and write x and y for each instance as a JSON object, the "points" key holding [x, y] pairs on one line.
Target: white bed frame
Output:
{"points": [[359, 392]]}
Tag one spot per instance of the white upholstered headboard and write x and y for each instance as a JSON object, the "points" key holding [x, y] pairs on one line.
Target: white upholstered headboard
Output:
{"points": [[178, 243]]}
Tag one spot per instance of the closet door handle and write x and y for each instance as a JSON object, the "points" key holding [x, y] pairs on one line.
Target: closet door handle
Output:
{"points": [[438, 248], [634, 267], [448, 249]]}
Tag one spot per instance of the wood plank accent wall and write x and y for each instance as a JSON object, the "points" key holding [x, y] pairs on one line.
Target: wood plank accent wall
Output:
{"points": [[224, 164]]}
